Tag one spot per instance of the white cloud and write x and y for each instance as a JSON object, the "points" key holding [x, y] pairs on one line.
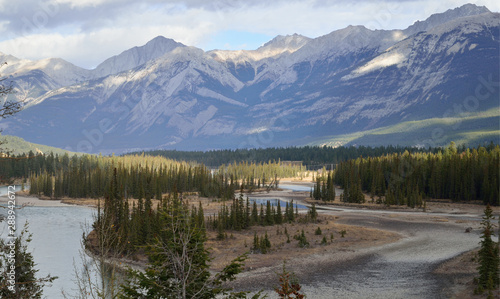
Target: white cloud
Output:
{"points": [[86, 32], [82, 3], [89, 49]]}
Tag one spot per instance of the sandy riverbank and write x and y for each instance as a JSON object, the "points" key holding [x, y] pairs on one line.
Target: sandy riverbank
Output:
{"points": [[23, 200], [400, 269], [433, 259]]}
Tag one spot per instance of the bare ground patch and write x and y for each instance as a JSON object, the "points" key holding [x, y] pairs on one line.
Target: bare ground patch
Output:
{"points": [[260, 268]]}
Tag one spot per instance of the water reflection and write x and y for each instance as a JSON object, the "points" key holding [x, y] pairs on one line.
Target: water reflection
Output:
{"points": [[4, 189]]}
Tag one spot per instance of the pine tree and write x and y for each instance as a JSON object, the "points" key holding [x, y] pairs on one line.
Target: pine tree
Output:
{"points": [[200, 219], [265, 244], [279, 216], [256, 243], [25, 283], [318, 231], [330, 189], [323, 195], [291, 215], [489, 259], [289, 286], [317, 189], [313, 213], [269, 217], [262, 216], [302, 240], [255, 214]]}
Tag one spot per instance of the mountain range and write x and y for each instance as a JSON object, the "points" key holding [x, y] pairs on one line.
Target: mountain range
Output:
{"points": [[435, 81]]}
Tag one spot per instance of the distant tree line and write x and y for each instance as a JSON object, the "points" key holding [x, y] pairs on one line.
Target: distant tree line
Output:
{"points": [[408, 178], [20, 166], [136, 177], [309, 155], [142, 176]]}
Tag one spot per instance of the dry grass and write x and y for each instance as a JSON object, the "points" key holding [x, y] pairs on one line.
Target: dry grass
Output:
{"points": [[440, 220], [239, 242]]}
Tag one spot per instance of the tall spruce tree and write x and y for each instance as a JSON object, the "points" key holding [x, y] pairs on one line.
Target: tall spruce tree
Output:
{"points": [[289, 286], [21, 281], [489, 260]]}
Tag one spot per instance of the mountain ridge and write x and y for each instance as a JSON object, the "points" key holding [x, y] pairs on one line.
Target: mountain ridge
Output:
{"points": [[451, 14], [136, 56], [350, 80]]}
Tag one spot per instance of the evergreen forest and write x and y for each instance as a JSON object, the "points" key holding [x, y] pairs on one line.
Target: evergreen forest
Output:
{"points": [[410, 178]]}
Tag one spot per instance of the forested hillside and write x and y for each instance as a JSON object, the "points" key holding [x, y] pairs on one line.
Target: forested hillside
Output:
{"points": [[18, 146], [137, 176], [408, 178]]}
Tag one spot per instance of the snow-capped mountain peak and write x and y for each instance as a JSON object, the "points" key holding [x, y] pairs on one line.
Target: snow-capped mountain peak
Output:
{"points": [[281, 44], [136, 56], [449, 43], [277, 46], [449, 15]]}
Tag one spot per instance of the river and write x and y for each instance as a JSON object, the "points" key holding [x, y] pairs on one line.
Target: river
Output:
{"points": [[57, 232], [5, 189]]}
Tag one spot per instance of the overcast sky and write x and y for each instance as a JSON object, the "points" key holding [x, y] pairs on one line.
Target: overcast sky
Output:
{"points": [[86, 32]]}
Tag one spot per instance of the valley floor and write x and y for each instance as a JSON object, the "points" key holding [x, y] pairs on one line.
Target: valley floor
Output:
{"points": [[386, 253], [432, 258]]}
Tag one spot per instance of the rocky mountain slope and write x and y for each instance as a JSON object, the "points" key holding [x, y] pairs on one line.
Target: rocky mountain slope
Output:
{"points": [[291, 91]]}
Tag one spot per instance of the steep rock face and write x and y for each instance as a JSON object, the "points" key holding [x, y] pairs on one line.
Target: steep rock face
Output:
{"points": [[135, 57], [61, 72], [246, 65], [290, 90], [32, 79], [449, 15]]}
